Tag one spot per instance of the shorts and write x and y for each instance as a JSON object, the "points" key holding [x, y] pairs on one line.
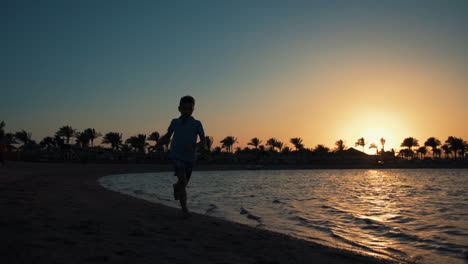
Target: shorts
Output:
{"points": [[183, 165]]}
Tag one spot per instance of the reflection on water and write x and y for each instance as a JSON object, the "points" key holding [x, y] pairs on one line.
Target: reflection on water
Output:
{"points": [[402, 214]]}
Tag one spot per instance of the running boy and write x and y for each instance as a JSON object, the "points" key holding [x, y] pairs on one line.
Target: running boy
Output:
{"points": [[183, 147]]}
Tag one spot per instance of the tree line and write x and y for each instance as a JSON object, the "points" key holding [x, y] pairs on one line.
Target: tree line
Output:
{"points": [[67, 137]]}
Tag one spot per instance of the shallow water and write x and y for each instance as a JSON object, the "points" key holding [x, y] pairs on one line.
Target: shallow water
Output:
{"points": [[419, 215]]}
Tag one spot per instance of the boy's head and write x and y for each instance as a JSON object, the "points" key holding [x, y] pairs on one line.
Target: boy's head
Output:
{"points": [[186, 106]]}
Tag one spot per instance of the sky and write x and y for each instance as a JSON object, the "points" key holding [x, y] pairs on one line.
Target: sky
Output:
{"points": [[319, 70]]}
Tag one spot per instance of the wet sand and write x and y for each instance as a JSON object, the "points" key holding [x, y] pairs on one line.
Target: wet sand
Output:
{"points": [[58, 213]]}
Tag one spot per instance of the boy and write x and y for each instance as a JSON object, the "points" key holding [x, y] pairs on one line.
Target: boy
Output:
{"points": [[183, 147]]}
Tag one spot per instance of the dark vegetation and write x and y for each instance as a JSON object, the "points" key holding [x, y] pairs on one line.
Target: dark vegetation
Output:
{"points": [[69, 145]]}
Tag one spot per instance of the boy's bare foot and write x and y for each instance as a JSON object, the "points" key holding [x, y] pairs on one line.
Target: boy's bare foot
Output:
{"points": [[186, 214]]}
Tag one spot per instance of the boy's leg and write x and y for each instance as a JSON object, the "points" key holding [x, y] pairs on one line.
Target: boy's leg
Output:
{"points": [[181, 192]]}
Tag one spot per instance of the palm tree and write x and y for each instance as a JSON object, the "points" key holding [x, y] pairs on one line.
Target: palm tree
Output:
{"points": [[228, 142], [382, 142], [410, 142], [446, 150], [286, 150], [255, 142], [373, 145], [24, 137], [433, 143], [113, 138], [340, 146], [138, 143], [10, 141], [464, 149], [321, 149], [437, 152], [82, 139], [66, 132], [422, 150], [92, 135], [47, 142], [279, 145], [154, 137], [455, 144], [297, 142], [141, 142], [217, 150], [272, 143], [360, 142]]}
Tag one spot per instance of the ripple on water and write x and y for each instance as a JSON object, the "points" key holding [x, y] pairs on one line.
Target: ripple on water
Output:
{"points": [[398, 213]]}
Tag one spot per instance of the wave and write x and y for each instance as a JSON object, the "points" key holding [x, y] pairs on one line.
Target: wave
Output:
{"points": [[243, 211], [211, 209]]}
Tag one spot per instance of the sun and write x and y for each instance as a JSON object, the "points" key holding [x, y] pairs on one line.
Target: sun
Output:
{"points": [[373, 126], [373, 135]]}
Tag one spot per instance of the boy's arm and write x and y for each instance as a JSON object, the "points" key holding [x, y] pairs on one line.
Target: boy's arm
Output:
{"points": [[202, 143], [164, 140], [201, 134]]}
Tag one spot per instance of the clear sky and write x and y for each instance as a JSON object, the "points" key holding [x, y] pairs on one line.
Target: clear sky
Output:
{"points": [[319, 70]]}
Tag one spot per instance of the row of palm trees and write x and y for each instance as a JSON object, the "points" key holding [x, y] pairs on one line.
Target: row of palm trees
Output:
{"points": [[453, 146]]}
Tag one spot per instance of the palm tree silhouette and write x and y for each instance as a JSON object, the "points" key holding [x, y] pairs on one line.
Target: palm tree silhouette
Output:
{"points": [[92, 135], [433, 143], [154, 137], [141, 140], [47, 142], [464, 149], [382, 142], [321, 149], [446, 150], [437, 152], [297, 142], [138, 143], [340, 145], [114, 139], [286, 150], [10, 141], [373, 145], [82, 139], [410, 142], [279, 145], [455, 144], [360, 142], [422, 150], [24, 137], [66, 132], [255, 142], [272, 143], [228, 142]]}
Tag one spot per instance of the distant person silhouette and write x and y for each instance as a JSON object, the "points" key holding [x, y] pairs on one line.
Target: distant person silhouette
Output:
{"points": [[183, 147]]}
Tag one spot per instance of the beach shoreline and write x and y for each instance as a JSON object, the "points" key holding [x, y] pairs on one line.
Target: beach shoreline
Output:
{"points": [[58, 213]]}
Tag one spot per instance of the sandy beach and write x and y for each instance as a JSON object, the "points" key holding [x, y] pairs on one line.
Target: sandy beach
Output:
{"points": [[58, 213]]}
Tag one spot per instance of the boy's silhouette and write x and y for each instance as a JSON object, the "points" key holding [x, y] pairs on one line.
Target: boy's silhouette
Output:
{"points": [[183, 147]]}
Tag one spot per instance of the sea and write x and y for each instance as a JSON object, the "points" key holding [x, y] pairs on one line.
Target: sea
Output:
{"points": [[416, 215]]}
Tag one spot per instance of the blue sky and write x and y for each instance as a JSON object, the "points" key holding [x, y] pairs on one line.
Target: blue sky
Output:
{"points": [[123, 65]]}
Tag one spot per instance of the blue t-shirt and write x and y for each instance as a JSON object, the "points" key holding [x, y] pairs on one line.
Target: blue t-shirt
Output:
{"points": [[185, 134]]}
